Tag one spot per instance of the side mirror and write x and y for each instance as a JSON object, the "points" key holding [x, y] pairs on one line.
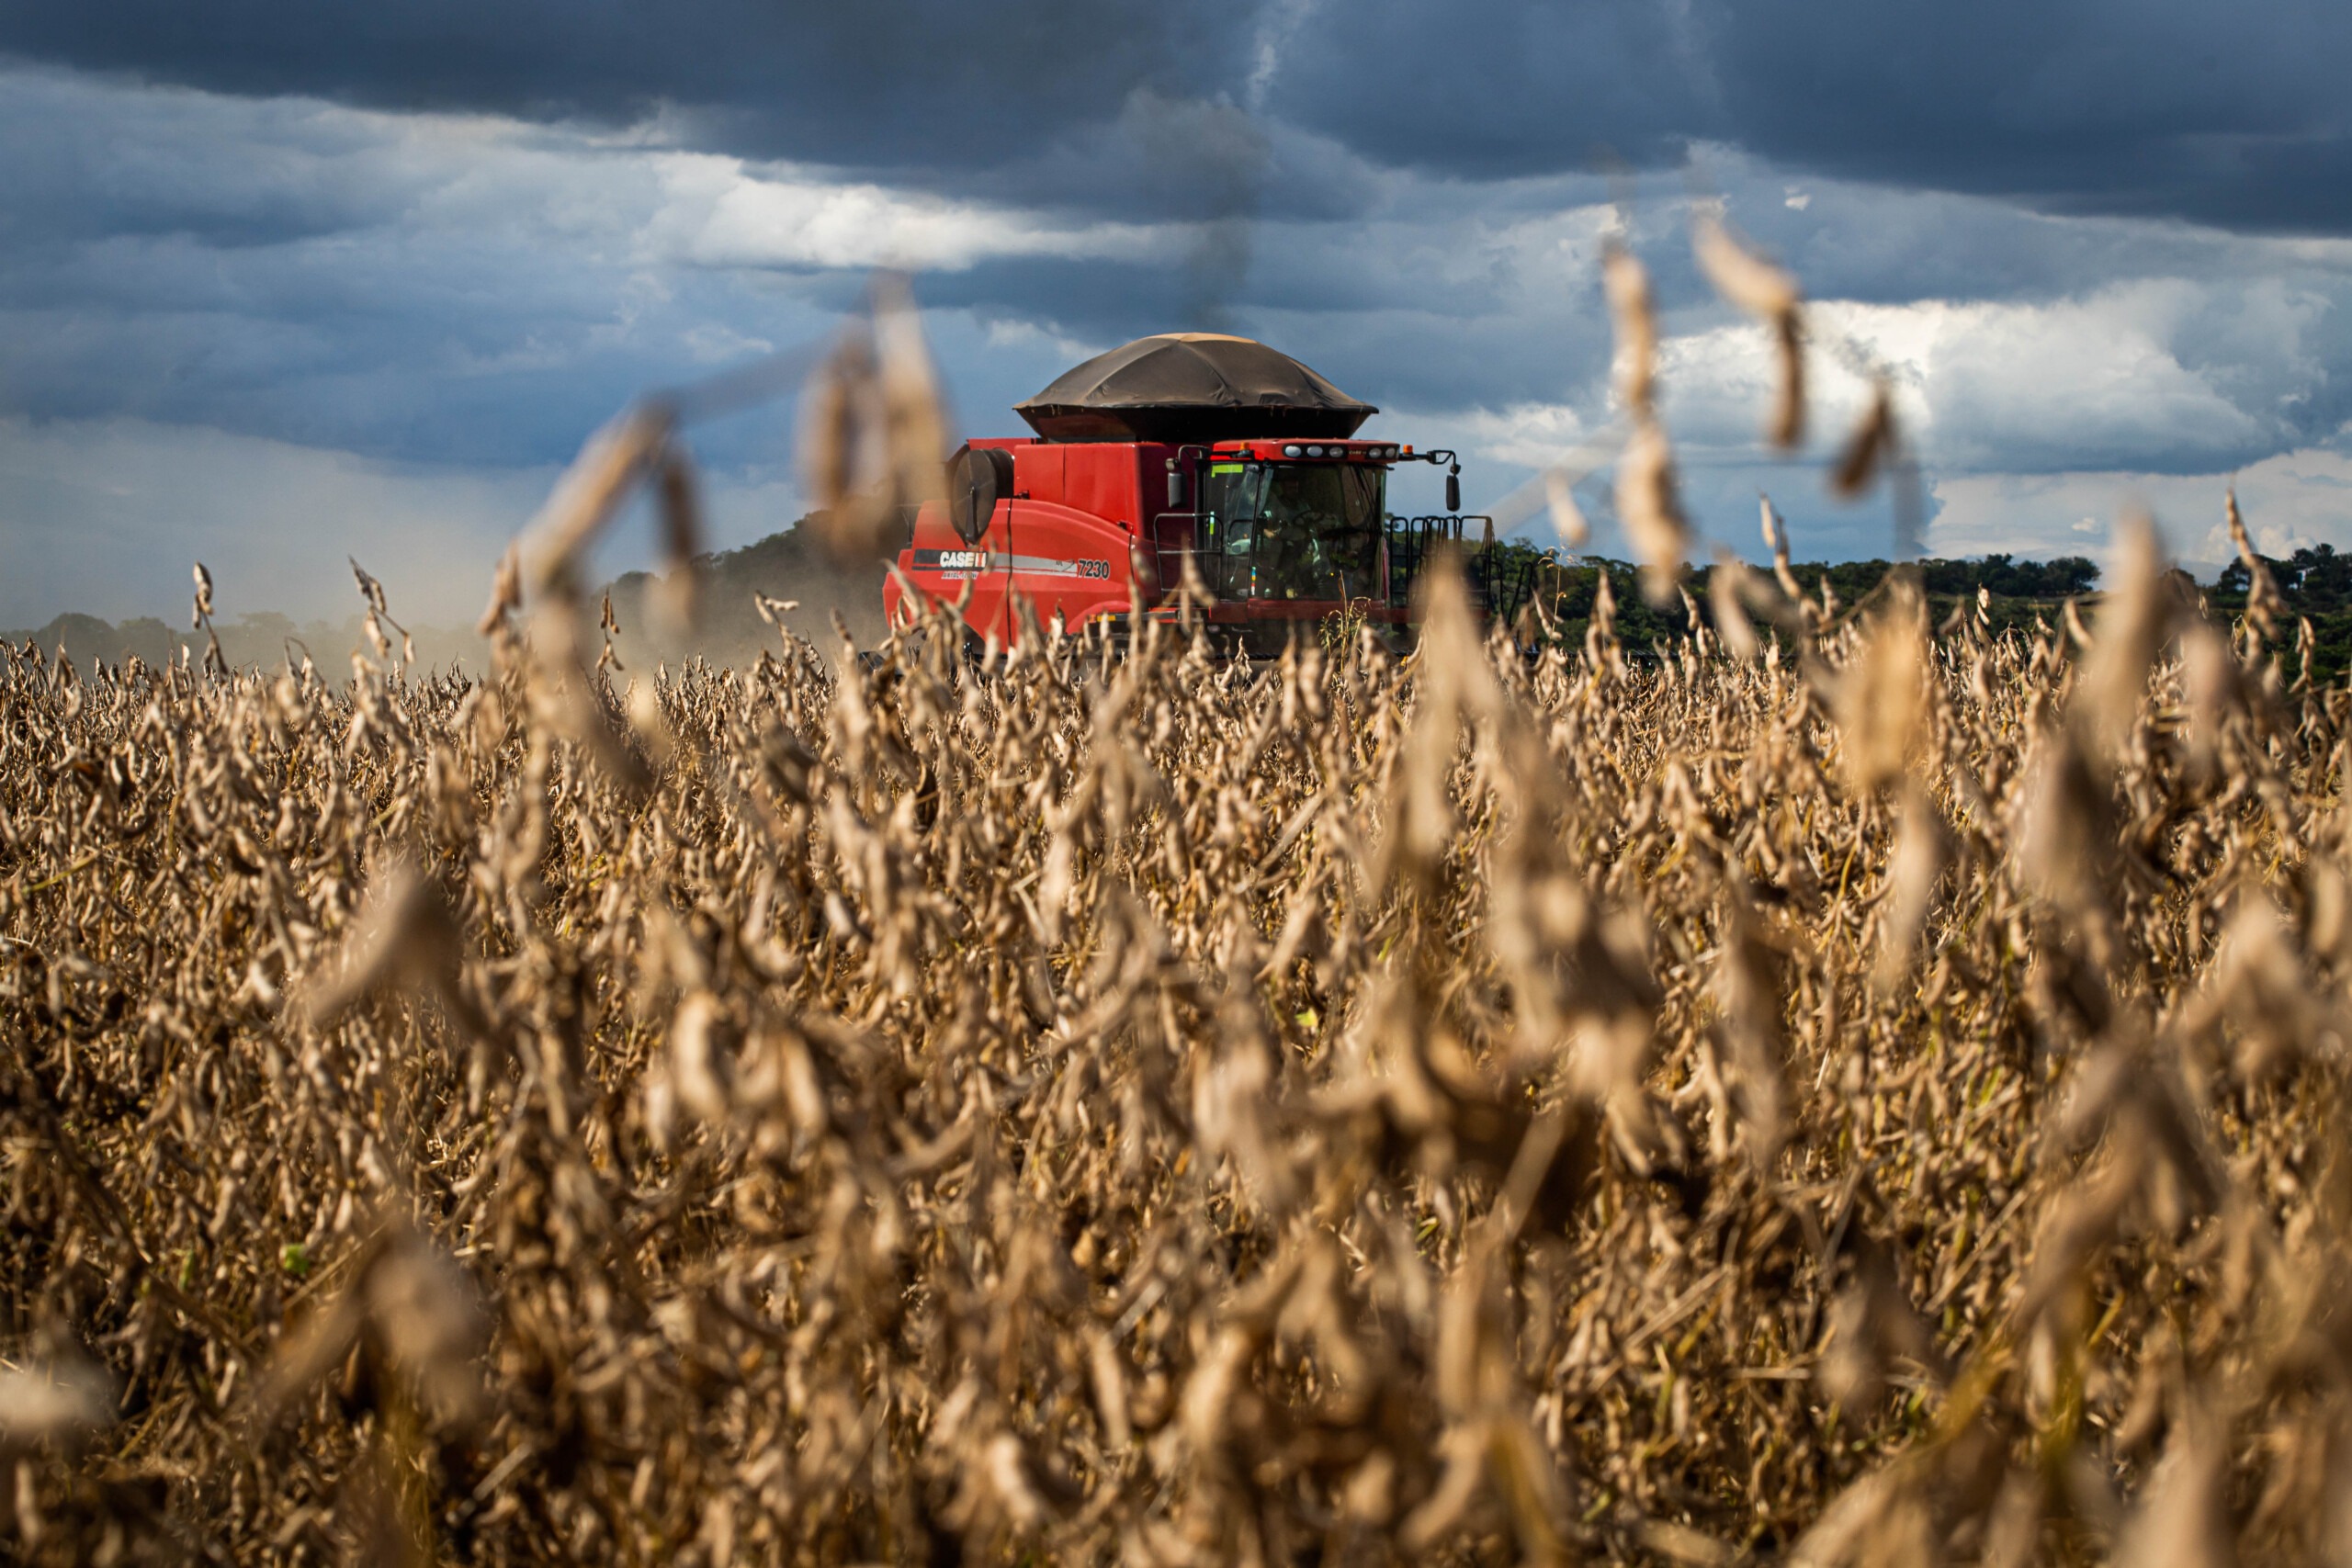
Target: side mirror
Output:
{"points": [[979, 479], [1453, 488], [1175, 485]]}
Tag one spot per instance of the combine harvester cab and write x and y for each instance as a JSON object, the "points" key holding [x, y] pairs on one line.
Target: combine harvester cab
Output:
{"points": [[1187, 450]]}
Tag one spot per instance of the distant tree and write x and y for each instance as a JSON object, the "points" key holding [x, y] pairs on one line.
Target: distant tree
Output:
{"points": [[83, 636], [149, 638], [264, 623]]}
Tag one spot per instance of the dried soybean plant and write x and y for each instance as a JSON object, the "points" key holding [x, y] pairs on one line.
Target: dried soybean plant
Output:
{"points": [[1863, 1093], [1878, 1101]]}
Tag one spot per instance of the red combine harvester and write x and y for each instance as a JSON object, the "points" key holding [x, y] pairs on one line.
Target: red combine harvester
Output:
{"points": [[1189, 447]]}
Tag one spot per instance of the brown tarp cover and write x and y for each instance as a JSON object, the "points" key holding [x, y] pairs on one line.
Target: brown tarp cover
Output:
{"points": [[1187, 386]]}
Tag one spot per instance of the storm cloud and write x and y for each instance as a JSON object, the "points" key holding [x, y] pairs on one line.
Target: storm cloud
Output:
{"points": [[426, 248], [2227, 115], [881, 85]]}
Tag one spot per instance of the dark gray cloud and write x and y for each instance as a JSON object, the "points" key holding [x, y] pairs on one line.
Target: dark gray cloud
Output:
{"points": [[2231, 116], [1488, 89], [2228, 115], [942, 84]]}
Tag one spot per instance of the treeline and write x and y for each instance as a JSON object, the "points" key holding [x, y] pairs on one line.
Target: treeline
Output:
{"points": [[2316, 584], [2019, 591]]}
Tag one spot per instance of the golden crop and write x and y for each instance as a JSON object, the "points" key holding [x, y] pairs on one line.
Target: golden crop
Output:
{"points": [[1877, 1104]]}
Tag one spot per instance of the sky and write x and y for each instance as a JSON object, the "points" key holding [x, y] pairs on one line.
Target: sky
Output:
{"points": [[282, 284]]}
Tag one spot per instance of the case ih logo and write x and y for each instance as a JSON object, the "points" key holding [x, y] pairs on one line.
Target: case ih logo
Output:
{"points": [[1036, 566]]}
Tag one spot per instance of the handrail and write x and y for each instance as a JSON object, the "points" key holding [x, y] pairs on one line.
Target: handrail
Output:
{"points": [[1410, 540], [1167, 560]]}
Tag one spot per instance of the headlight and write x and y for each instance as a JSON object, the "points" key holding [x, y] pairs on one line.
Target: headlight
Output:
{"points": [[1314, 451], [1290, 451]]}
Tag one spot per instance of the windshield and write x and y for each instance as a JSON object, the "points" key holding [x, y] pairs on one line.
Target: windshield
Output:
{"points": [[1291, 531]]}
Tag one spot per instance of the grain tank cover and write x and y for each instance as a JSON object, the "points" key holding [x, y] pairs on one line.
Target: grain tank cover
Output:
{"points": [[1192, 387]]}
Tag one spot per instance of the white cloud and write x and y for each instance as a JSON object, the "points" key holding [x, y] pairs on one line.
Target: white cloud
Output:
{"points": [[722, 212], [2008, 386], [2291, 501], [216, 159], [1536, 435]]}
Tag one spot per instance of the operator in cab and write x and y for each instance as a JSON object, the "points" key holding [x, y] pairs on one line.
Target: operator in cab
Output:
{"points": [[1295, 531]]}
